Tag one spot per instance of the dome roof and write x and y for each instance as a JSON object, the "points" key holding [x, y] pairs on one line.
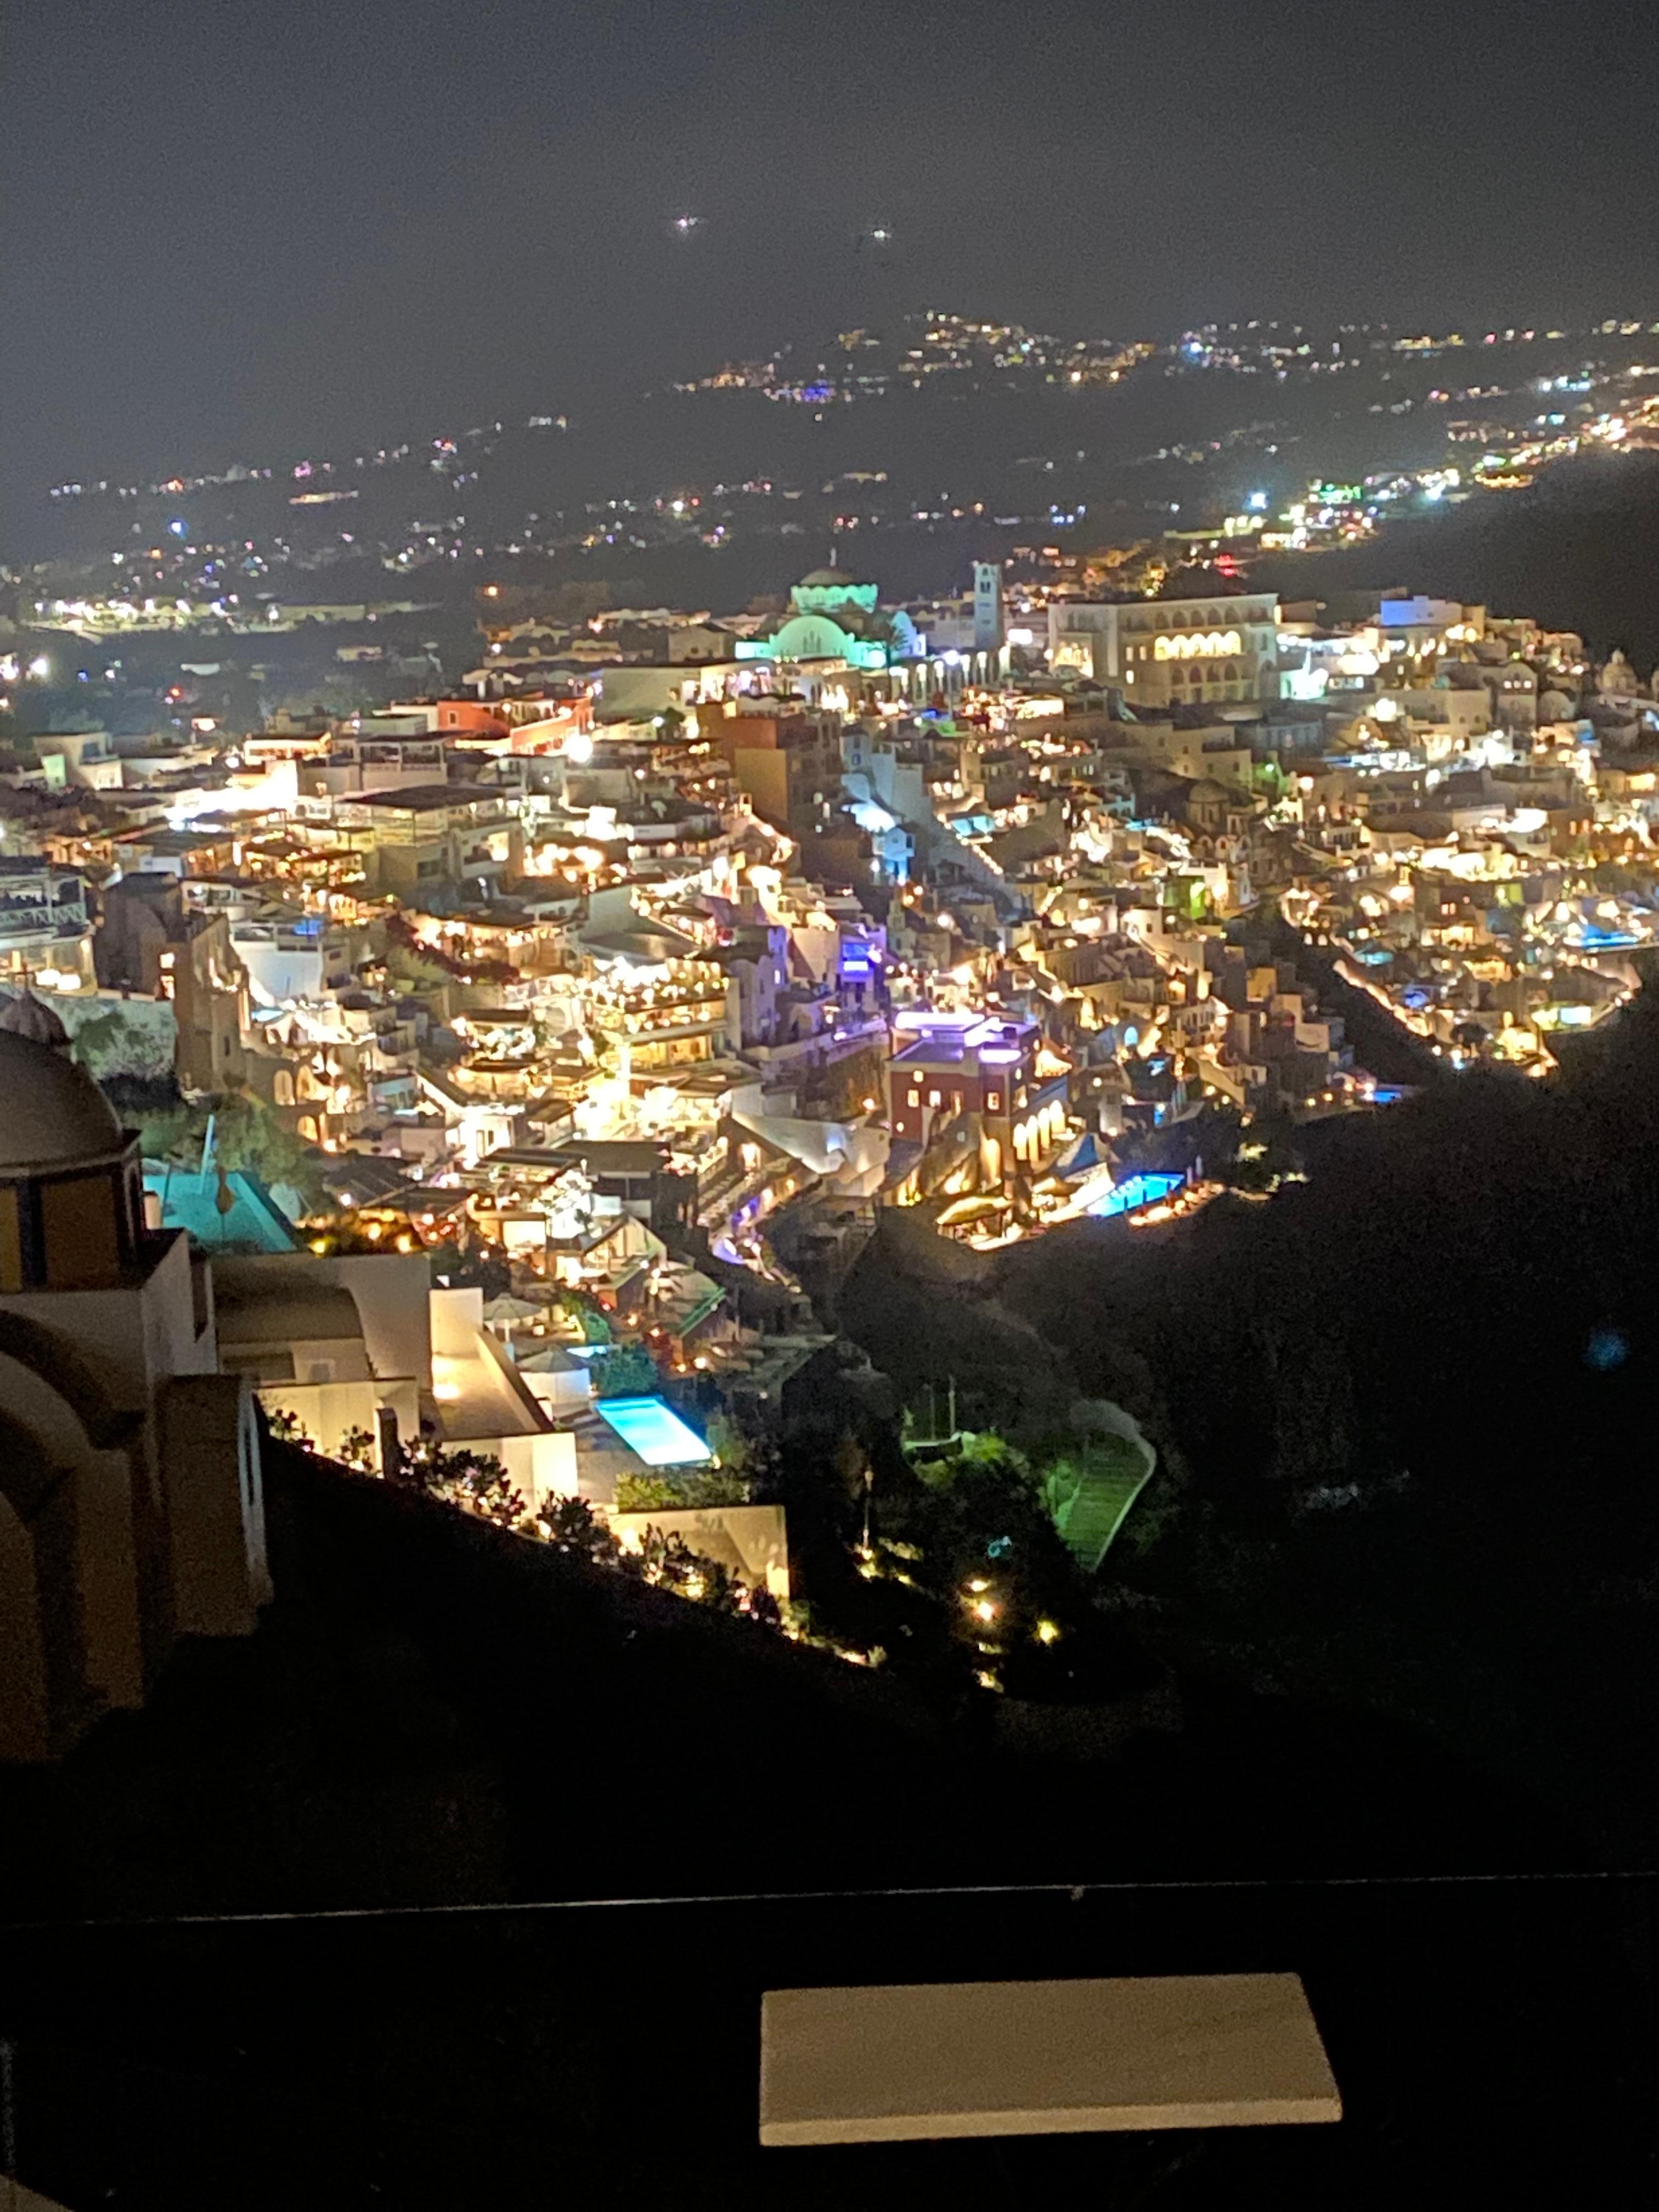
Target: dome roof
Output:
{"points": [[53, 1115], [279, 1305], [835, 579], [26, 1016]]}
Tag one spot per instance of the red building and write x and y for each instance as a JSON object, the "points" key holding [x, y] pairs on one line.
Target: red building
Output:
{"points": [[956, 1074]]}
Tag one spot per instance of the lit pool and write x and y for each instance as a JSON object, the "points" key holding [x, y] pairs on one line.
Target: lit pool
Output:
{"points": [[1140, 1190], [654, 1430]]}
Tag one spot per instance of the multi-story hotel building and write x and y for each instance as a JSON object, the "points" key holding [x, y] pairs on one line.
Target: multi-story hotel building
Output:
{"points": [[1167, 653]]}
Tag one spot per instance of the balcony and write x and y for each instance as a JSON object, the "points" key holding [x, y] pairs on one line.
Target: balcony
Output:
{"points": [[19, 919], [1493, 2045], [685, 1018], [383, 1746]]}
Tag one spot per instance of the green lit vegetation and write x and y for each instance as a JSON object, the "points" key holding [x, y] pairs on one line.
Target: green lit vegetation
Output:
{"points": [[1090, 1492]]}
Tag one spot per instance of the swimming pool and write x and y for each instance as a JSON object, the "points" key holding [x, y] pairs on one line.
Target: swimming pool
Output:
{"points": [[654, 1430], [1140, 1190]]}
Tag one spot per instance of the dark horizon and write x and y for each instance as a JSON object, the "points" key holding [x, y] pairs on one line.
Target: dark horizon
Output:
{"points": [[233, 238]]}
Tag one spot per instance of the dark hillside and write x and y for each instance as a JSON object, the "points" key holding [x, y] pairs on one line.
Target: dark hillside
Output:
{"points": [[1411, 1399]]}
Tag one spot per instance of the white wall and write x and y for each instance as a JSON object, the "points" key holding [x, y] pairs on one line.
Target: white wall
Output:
{"points": [[215, 1506], [132, 1337], [540, 1466], [456, 1317], [389, 1290], [276, 973], [757, 1534], [327, 1412]]}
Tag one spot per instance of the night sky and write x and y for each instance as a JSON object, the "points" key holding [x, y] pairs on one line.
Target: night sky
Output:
{"points": [[240, 231]]}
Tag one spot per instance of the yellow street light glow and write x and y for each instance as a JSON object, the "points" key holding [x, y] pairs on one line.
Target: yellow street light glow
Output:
{"points": [[1048, 1632]]}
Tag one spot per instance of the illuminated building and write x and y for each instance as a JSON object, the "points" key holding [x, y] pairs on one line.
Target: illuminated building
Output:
{"points": [[1164, 653], [683, 1014], [785, 763], [149, 942], [209, 850], [365, 1341], [988, 626], [640, 687], [44, 924], [956, 1076], [386, 752], [834, 617], [293, 956], [86, 758], [432, 834]]}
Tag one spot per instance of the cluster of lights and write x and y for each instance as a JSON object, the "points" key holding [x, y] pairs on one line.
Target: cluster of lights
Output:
{"points": [[1195, 645]]}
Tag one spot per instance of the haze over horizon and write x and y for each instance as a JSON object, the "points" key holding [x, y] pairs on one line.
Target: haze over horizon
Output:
{"points": [[231, 236]]}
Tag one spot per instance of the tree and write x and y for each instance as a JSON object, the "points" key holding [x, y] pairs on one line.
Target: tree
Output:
{"points": [[337, 1234], [570, 1525], [585, 1309], [473, 1266], [764, 1610], [696, 1488], [627, 1370], [477, 1481], [987, 1541], [357, 1449], [747, 1454], [121, 1040], [248, 1139], [668, 1562]]}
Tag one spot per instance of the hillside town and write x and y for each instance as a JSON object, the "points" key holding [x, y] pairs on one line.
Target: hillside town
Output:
{"points": [[1249, 438], [532, 1057], [829, 1111]]}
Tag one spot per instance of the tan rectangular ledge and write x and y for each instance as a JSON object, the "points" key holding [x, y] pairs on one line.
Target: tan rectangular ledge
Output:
{"points": [[940, 2059]]}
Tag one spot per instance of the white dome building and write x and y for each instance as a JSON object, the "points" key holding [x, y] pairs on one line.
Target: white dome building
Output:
{"points": [[131, 1509]]}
